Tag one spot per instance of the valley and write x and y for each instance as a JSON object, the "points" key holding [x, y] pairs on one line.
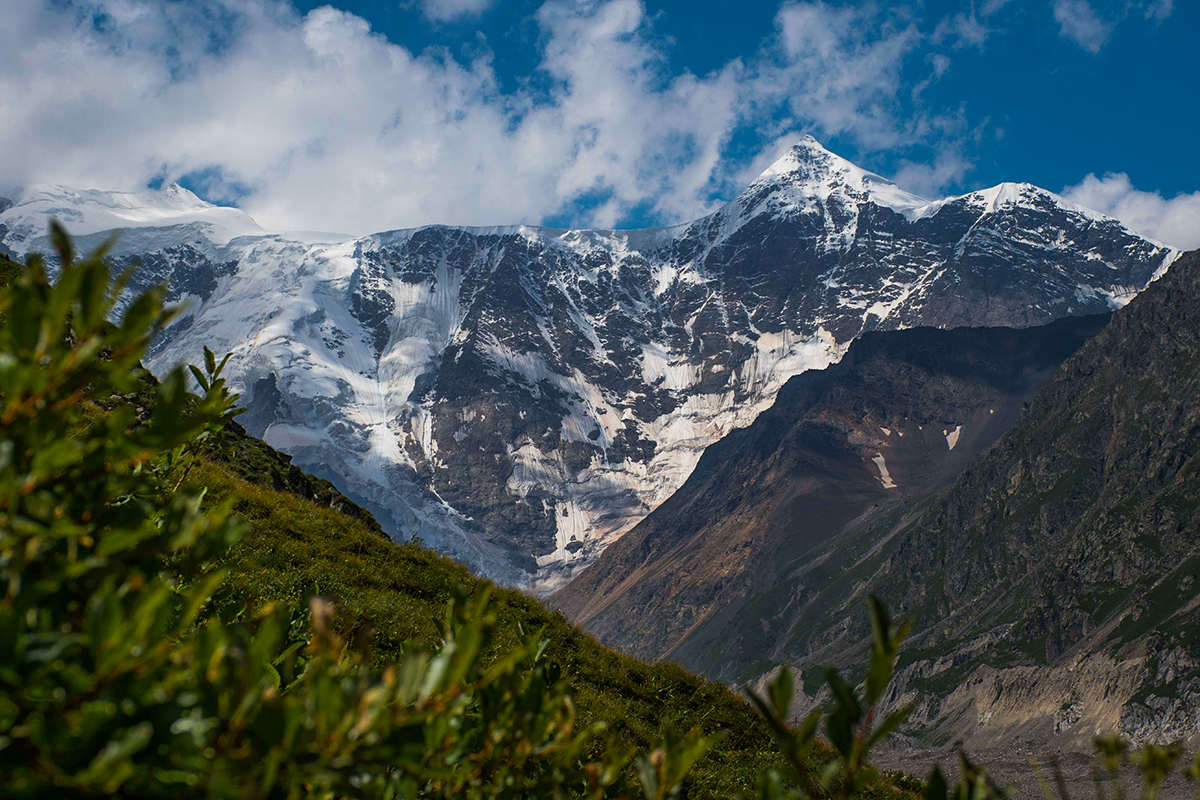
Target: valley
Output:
{"points": [[1051, 582]]}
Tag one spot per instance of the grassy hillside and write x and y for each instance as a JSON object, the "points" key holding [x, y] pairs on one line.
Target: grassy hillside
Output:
{"points": [[397, 591]]}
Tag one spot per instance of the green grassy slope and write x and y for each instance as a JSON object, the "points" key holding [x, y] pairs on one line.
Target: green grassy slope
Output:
{"points": [[395, 592]]}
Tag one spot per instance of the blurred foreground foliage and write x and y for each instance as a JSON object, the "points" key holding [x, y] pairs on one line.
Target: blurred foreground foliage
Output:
{"points": [[858, 720]]}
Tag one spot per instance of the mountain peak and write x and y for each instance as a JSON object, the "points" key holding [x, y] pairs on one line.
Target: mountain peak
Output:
{"points": [[807, 155], [87, 211], [810, 142], [809, 171], [186, 196]]}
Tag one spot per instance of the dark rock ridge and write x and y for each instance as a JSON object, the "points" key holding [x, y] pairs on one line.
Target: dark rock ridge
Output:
{"points": [[520, 397], [1053, 585]]}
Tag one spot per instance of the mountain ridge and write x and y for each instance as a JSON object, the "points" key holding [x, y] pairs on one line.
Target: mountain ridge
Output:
{"points": [[800, 159], [520, 397]]}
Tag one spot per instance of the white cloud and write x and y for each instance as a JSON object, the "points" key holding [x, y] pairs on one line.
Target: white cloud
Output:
{"points": [[1078, 22], [316, 122], [1159, 9], [992, 6], [447, 10], [328, 125], [961, 30], [948, 168], [841, 73], [940, 63], [1175, 221]]}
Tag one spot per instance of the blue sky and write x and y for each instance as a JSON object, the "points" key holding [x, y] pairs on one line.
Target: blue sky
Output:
{"points": [[375, 114], [1048, 106]]}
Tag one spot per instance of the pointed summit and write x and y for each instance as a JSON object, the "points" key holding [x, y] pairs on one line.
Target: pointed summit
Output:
{"points": [[177, 194], [808, 173], [808, 157]]}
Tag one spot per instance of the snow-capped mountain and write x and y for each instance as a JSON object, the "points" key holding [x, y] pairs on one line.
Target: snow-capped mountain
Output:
{"points": [[521, 396], [92, 211]]}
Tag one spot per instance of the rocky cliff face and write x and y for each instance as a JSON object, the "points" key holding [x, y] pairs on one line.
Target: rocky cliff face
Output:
{"points": [[707, 579], [1053, 584], [520, 397]]}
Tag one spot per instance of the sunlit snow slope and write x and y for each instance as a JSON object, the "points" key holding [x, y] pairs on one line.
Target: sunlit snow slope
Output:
{"points": [[520, 396]]}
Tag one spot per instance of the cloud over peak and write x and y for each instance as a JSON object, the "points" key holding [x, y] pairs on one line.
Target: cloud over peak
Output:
{"points": [[316, 121], [1175, 221]]}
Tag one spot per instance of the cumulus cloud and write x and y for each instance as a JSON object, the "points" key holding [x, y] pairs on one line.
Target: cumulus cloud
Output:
{"points": [[1175, 221], [927, 178], [840, 70], [962, 30], [1078, 21], [1159, 9], [447, 10], [315, 121]]}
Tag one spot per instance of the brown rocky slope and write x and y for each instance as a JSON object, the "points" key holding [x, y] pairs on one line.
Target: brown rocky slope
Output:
{"points": [[1053, 584]]}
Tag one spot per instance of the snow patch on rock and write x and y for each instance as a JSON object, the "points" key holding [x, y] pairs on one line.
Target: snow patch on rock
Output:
{"points": [[885, 478], [952, 436]]}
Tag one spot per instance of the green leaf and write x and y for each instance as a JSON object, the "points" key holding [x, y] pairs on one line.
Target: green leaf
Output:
{"points": [[61, 242], [935, 785], [840, 729], [110, 768], [199, 376], [780, 691], [843, 695], [93, 292], [885, 640]]}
